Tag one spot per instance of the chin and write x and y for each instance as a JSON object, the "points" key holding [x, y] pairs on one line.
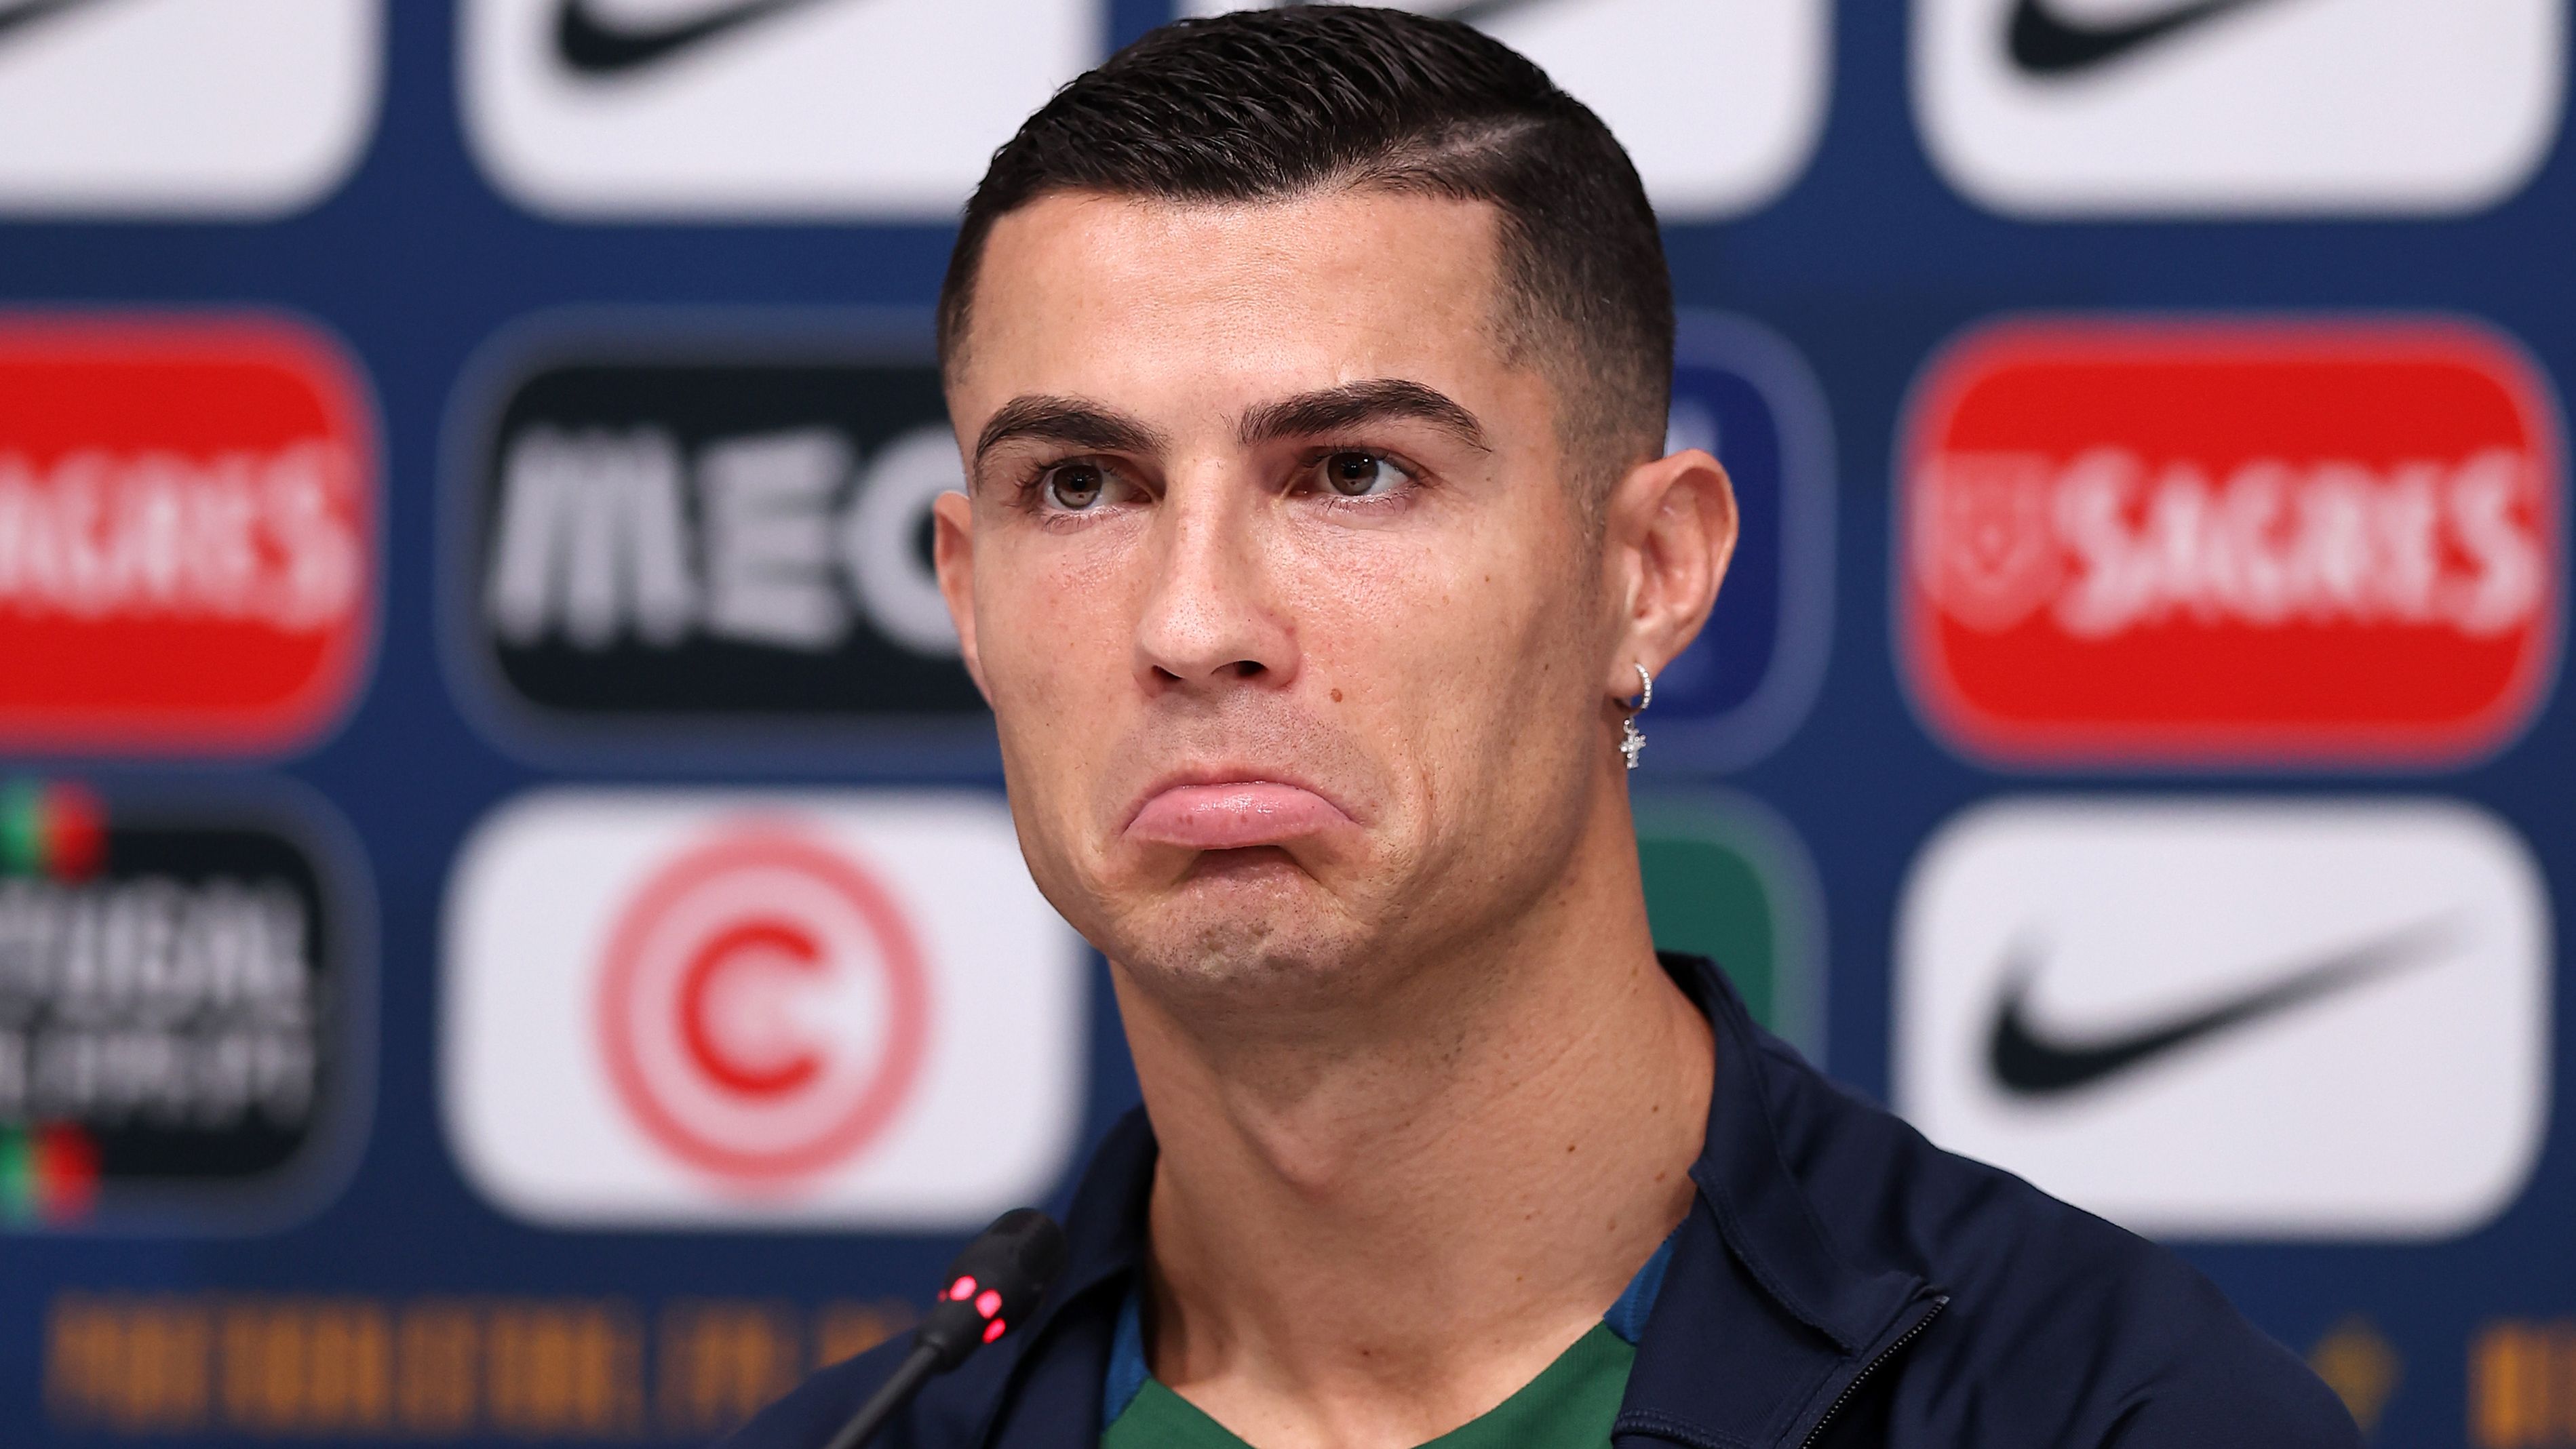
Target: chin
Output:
{"points": [[1239, 919]]}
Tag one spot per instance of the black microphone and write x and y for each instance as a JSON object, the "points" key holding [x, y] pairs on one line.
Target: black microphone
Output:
{"points": [[992, 1285]]}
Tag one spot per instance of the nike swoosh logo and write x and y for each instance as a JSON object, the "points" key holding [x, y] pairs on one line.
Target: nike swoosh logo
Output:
{"points": [[2047, 46], [20, 17], [600, 49], [2030, 1064]]}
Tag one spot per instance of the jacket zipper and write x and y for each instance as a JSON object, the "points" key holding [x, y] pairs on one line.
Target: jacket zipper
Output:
{"points": [[1939, 1302]]}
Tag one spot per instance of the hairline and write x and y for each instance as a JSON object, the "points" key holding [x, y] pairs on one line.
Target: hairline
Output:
{"points": [[1519, 315]]}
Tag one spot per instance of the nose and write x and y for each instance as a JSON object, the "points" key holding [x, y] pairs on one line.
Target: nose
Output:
{"points": [[1211, 616]]}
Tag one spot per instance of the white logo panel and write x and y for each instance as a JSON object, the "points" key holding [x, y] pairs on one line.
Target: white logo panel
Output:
{"points": [[605, 109], [2233, 1019], [1718, 102], [249, 109], [2184, 107], [666, 1008]]}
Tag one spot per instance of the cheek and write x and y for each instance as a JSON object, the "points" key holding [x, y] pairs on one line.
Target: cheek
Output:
{"points": [[1454, 649], [1055, 654], [1049, 620]]}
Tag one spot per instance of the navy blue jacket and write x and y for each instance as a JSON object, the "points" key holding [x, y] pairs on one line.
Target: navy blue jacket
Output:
{"points": [[1840, 1282]]}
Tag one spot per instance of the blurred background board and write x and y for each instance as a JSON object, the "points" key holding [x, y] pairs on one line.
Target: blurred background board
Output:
{"points": [[498, 847]]}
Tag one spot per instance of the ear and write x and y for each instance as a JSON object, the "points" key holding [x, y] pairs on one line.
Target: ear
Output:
{"points": [[952, 553], [1669, 531]]}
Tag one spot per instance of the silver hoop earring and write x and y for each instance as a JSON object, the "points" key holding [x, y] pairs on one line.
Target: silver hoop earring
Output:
{"points": [[1632, 741]]}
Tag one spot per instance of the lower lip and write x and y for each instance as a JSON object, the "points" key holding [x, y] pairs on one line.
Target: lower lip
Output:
{"points": [[1234, 816]]}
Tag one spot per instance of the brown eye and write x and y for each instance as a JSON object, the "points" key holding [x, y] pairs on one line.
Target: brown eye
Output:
{"points": [[1361, 475], [1074, 487]]}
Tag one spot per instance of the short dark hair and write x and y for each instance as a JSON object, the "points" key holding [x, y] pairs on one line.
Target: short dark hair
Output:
{"points": [[1270, 104]]}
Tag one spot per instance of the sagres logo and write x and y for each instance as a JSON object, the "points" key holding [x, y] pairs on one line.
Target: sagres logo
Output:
{"points": [[247, 109], [2289, 543], [618, 108], [2238, 1018], [187, 533], [669, 1008], [1718, 102], [185, 1010], [653, 533], [2068, 107]]}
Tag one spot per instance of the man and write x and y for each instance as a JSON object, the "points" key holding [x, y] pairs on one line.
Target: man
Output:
{"points": [[1311, 369]]}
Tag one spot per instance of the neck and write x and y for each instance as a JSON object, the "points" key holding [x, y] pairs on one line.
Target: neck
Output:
{"points": [[1378, 1229]]}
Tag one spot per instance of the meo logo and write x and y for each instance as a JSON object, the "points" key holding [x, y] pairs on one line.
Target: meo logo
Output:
{"points": [[666, 1009], [2196, 542], [676, 531]]}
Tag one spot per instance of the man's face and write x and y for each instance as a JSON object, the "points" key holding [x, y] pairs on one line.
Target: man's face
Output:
{"points": [[1278, 580]]}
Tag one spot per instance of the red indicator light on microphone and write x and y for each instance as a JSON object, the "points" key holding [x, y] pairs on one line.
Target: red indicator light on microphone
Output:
{"points": [[1010, 1263]]}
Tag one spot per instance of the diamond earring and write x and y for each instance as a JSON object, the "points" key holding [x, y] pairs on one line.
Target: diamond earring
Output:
{"points": [[1632, 742]]}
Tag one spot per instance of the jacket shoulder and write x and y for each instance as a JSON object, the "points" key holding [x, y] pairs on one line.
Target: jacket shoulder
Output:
{"points": [[2062, 1329], [811, 1414], [947, 1412]]}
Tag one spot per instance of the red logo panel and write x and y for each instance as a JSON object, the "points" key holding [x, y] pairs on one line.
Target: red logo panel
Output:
{"points": [[187, 533], [2213, 542], [764, 1009]]}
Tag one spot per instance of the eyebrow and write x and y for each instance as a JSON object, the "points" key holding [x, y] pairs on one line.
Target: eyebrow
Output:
{"points": [[1335, 409], [1065, 420]]}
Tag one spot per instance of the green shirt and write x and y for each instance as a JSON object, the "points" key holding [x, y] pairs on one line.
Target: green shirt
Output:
{"points": [[1568, 1406]]}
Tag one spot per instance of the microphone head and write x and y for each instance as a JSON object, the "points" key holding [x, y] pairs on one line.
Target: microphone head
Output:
{"points": [[993, 1284]]}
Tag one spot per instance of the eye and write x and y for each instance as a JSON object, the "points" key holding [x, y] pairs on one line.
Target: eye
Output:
{"points": [[1362, 475], [1074, 487]]}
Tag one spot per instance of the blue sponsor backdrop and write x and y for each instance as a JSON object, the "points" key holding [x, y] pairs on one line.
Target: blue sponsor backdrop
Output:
{"points": [[1844, 285]]}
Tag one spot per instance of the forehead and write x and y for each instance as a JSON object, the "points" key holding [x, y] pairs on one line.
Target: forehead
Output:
{"points": [[1095, 295]]}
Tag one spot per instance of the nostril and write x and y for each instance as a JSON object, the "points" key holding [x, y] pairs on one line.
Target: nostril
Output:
{"points": [[1162, 676]]}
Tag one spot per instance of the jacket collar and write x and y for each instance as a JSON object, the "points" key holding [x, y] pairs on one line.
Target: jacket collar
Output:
{"points": [[1744, 1178], [1061, 1356], [1762, 1317]]}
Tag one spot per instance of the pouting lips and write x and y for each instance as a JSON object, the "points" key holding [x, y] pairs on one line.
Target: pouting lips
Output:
{"points": [[1233, 815]]}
